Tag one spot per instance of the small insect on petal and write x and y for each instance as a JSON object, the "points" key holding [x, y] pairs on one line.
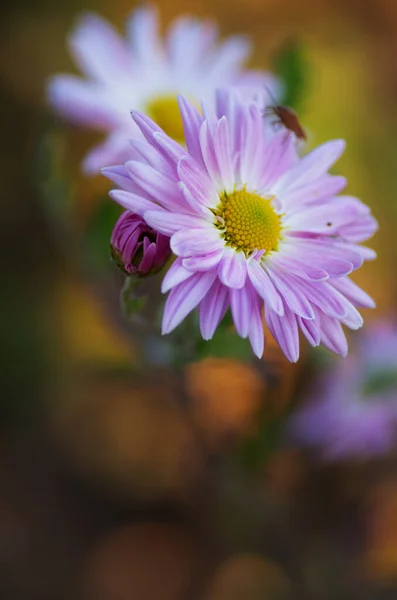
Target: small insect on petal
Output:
{"points": [[286, 117]]}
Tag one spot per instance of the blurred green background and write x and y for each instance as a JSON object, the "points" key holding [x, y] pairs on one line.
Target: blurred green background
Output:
{"points": [[118, 484]]}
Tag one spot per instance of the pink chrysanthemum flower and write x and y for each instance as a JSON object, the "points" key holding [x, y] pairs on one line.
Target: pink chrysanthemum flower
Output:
{"points": [[252, 226], [353, 409], [145, 74]]}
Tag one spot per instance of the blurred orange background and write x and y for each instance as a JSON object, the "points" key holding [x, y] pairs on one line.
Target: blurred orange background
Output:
{"points": [[118, 484]]}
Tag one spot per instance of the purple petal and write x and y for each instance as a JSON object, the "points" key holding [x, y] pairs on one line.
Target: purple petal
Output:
{"points": [[332, 336], [319, 249], [299, 267], [118, 174], [312, 166], [279, 156], [147, 126], [198, 182], [168, 223], [265, 287], [310, 330], [132, 202], [115, 149], [256, 334], [285, 332], [192, 203], [194, 242], [81, 102], [99, 50], [228, 58], [174, 276], [159, 186], [204, 262], [323, 295], [171, 150], [209, 155], [241, 303], [353, 293], [192, 121], [212, 309], [292, 295], [184, 298], [223, 154], [188, 41], [148, 258], [232, 269], [147, 153], [143, 35], [313, 192]]}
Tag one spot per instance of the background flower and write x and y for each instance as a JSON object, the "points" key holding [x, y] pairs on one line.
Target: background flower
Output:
{"points": [[353, 409], [145, 74], [251, 224]]}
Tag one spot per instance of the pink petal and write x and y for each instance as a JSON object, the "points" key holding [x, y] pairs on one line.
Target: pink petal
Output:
{"points": [[99, 50], [174, 276], [159, 186], [204, 262], [168, 223], [198, 182], [194, 242], [118, 174], [353, 293], [147, 153], [256, 334], [115, 149], [265, 287], [147, 126], [192, 121], [212, 309], [292, 295], [132, 202], [184, 298], [241, 302], [192, 203], [311, 166], [299, 267], [81, 102], [285, 332], [209, 155], [332, 336], [310, 330], [144, 37], [232, 269], [223, 154]]}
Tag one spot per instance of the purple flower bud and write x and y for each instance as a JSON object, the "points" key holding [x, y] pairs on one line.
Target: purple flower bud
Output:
{"points": [[137, 248]]}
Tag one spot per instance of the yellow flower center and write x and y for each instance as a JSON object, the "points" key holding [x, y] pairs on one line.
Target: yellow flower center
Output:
{"points": [[164, 110], [248, 222]]}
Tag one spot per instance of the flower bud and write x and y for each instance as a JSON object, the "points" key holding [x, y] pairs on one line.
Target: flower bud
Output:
{"points": [[137, 248]]}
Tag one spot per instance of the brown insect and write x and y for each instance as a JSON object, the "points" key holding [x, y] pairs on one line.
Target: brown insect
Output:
{"points": [[286, 117]]}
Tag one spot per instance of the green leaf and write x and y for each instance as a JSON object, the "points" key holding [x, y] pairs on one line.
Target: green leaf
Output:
{"points": [[293, 68], [225, 344]]}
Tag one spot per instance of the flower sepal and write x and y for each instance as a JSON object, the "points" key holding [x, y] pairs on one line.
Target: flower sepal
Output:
{"points": [[131, 300]]}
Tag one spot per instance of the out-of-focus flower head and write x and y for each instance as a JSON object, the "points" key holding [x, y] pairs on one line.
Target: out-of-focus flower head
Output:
{"points": [[137, 248], [145, 74], [353, 410], [253, 226]]}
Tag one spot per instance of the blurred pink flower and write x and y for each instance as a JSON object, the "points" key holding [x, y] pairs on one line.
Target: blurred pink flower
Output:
{"points": [[252, 226], [353, 410], [145, 74], [136, 247]]}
